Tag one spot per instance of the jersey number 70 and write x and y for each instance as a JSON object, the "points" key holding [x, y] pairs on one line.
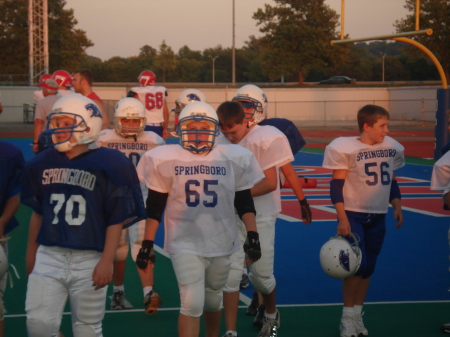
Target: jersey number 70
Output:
{"points": [[75, 202]]}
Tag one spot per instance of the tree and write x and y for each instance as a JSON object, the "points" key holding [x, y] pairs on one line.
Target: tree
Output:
{"points": [[190, 65], [165, 61], [434, 14], [67, 45], [297, 37]]}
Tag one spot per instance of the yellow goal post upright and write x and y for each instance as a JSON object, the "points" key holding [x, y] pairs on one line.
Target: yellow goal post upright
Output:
{"points": [[442, 96]]}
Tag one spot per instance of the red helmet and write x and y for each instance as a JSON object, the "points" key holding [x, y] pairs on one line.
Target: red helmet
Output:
{"points": [[146, 78], [44, 77], [62, 77]]}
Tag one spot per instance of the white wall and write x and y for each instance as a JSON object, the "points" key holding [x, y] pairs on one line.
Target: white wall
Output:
{"points": [[313, 105]]}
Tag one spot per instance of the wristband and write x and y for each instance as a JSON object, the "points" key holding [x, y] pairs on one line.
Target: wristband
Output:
{"points": [[336, 187], [395, 191], [147, 244], [303, 202]]}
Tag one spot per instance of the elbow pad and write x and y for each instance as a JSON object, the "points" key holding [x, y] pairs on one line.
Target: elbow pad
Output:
{"points": [[395, 191], [155, 204], [243, 202], [336, 193]]}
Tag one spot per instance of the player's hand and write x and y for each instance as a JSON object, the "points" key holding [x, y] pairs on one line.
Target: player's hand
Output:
{"points": [[306, 211], [344, 228], [252, 248], [145, 254], [102, 274], [398, 215]]}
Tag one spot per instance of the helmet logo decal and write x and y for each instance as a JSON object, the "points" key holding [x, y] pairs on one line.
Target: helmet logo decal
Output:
{"points": [[95, 111], [264, 97], [193, 97], [344, 260]]}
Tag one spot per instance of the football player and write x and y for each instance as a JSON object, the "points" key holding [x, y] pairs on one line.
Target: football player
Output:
{"points": [[199, 184], [184, 98], [254, 103], [154, 99], [38, 94], [130, 138], [271, 148], [81, 200], [364, 163], [11, 167]]}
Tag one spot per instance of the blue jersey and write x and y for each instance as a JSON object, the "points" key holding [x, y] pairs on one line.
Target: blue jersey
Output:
{"points": [[11, 168], [78, 199], [296, 141]]}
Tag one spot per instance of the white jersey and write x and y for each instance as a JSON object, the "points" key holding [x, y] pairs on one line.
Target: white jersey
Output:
{"points": [[370, 171], [440, 179], [38, 95], [64, 92], [271, 148], [133, 149], [199, 217], [153, 99]]}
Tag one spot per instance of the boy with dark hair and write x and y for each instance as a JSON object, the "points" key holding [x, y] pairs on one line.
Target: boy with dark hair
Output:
{"points": [[365, 163], [271, 148]]}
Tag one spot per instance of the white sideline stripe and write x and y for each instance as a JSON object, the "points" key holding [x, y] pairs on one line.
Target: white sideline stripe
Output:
{"points": [[437, 215], [245, 306], [161, 251]]}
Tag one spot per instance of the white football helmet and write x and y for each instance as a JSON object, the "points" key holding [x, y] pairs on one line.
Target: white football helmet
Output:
{"points": [[3, 262], [129, 108], [193, 139], [86, 126], [251, 96], [339, 258], [187, 96]]}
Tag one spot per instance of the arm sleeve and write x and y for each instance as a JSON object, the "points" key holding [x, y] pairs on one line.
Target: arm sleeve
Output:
{"points": [[243, 202], [155, 204]]}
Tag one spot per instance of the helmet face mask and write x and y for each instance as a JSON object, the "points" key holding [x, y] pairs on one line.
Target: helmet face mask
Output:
{"points": [[198, 127], [129, 117], [63, 127], [74, 120], [339, 257], [252, 97]]}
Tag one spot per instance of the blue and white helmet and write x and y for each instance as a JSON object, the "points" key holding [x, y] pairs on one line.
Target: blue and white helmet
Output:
{"points": [[186, 97], [87, 121], [190, 137], [251, 96], [339, 257]]}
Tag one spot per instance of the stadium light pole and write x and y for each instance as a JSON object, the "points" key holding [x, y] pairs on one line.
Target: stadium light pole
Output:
{"points": [[213, 72], [233, 56]]}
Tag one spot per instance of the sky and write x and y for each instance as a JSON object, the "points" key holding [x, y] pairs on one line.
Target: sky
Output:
{"points": [[122, 27]]}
